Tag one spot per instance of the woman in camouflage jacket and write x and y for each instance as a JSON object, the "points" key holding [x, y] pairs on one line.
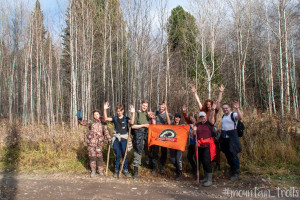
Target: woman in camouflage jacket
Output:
{"points": [[95, 141]]}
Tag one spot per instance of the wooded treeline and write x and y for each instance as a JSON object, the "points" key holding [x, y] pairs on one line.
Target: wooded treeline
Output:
{"points": [[126, 51]]}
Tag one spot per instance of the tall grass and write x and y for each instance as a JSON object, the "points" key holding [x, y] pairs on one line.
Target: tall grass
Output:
{"points": [[269, 144]]}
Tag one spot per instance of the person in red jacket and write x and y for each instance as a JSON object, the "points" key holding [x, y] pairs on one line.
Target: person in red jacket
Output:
{"points": [[206, 145], [207, 107]]}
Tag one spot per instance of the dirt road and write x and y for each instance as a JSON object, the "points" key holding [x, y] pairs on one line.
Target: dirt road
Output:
{"points": [[60, 186]]}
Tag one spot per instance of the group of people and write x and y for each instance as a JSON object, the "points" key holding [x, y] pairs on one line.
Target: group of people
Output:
{"points": [[204, 148]]}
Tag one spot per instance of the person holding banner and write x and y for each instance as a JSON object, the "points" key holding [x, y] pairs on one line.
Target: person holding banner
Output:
{"points": [[206, 146], [176, 155], [140, 127], [120, 136], [160, 118], [95, 141], [192, 140]]}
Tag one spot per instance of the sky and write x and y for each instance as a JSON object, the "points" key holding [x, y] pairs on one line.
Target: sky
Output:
{"points": [[54, 12]]}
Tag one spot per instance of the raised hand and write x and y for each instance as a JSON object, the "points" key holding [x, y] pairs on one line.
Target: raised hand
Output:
{"points": [[106, 105], [131, 109], [222, 88], [236, 105], [194, 89], [184, 108], [151, 115]]}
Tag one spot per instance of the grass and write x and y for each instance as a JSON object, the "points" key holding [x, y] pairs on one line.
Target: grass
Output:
{"points": [[270, 149]]}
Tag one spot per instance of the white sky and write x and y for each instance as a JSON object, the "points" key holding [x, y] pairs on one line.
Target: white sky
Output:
{"points": [[54, 11]]}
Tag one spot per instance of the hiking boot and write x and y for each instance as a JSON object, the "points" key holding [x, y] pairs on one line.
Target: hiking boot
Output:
{"points": [[101, 173], [116, 174], [93, 173], [208, 182], [234, 176], [126, 173], [204, 178], [147, 161], [136, 171], [217, 168], [153, 172], [178, 175], [162, 170]]}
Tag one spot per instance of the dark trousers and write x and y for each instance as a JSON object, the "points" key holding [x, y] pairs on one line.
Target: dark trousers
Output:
{"points": [[138, 146], [231, 157], [146, 149], [176, 159], [204, 158], [154, 156], [119, 148], [191, 157], [218, 151]]}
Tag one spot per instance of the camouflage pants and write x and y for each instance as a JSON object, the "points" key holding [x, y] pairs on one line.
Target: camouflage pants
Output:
{"points": [[96, 158], [138, 146]]}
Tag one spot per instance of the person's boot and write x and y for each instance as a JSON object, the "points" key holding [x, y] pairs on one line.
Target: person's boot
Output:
{"points": [[101, 173], [136, 171], [162, 170], [116, 174], [204, 178], [93, 173], [126, 173], [154, 168], [235, 175], [209, 180], [217, 168], [178, 175]]}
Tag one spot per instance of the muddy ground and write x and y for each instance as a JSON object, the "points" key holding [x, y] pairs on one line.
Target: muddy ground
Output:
{"points": [[63, 186]]}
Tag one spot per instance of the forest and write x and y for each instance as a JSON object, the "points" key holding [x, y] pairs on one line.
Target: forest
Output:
{"points": [[125, 52]]}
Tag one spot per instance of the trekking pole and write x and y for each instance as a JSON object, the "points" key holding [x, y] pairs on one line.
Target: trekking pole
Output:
{"points": [[107, 161], [125, 155], [197, 158]]}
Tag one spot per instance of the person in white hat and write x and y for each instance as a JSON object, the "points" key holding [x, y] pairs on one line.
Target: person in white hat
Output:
{"points": [[205, 145]]}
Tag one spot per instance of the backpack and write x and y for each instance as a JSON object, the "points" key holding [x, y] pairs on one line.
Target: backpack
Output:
{"points": [[90, 126], [240, 127], [125, 121], [214, 131]]}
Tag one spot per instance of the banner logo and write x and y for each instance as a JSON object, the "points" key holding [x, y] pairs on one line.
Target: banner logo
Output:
{"points": [[167, 135]]}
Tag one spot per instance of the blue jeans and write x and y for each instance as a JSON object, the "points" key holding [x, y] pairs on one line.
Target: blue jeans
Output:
{"points": [[120, 147]]}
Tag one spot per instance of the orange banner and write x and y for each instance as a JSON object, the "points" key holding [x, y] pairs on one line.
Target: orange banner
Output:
{"points": [[170, 136]]}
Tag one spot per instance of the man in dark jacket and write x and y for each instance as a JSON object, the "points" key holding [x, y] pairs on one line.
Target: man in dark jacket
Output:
{"points": [[230, 143]]}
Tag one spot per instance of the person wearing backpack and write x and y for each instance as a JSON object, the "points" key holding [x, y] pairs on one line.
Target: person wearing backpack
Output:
{"points": [[120, 136], [230, 143], [176, 155], [160, 118], [190, 119], [205, 144], [207, 108], [95, 141], [140, 127]]}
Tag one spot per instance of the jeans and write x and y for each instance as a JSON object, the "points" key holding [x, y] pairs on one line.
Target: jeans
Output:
{"points": [[120, 147]]}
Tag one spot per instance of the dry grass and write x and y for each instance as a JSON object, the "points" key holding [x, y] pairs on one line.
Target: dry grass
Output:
{"points": [[270, 148]]}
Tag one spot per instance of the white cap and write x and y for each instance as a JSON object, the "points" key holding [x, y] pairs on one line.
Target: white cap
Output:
{"points": [[202, 114]]}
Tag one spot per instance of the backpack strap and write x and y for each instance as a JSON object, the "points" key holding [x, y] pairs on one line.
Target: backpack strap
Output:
{"points": [[210, 127], [91, 123], [126, 124], [232, 118], [115, 122], [125, 121]]}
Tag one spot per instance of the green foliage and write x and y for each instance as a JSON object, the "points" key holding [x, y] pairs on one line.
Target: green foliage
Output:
{"points": [[182, 31]]}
